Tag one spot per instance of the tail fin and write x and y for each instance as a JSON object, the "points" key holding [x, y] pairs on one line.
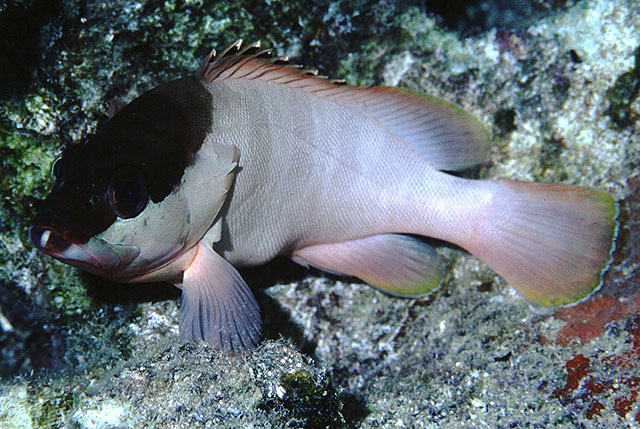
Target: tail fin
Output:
{"points": [[551, 242]]}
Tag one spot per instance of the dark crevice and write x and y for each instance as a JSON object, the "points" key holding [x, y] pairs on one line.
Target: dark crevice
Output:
{"points": [[29, 339], [26, 27], [475, 16]]}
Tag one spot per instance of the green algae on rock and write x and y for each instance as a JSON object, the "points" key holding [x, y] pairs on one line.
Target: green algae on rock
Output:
{"points": [[194, 385], [312, 403], [26, 157]]}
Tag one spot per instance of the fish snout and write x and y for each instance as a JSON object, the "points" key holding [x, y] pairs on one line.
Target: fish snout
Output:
{"points": [[47, 240], [96, 256]]}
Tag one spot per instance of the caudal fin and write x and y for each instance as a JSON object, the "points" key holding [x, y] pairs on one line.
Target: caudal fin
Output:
{"points": [[551, 242]]}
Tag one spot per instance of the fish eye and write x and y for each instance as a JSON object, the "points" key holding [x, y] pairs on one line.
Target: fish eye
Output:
{"points": [[127, 193]]}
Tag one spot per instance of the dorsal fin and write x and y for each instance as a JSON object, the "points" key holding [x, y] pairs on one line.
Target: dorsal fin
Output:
{"points": [[254, 63], [446, 136]]}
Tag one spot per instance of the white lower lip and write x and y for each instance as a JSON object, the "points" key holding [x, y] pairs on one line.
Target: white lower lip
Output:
{"points": [[44, 238]]}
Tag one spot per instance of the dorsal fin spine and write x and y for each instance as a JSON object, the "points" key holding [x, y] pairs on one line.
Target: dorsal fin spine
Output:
{"points": [[234, 46]]}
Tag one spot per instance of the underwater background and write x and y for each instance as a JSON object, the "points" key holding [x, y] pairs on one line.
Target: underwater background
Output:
{"points": [[556, 83]]}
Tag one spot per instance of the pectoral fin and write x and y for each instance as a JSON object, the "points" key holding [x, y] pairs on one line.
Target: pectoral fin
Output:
{"points": [[217, 305], [397, 264]]}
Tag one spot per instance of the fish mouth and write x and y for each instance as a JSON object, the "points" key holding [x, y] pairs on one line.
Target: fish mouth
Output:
{"points": [[95, 255]]}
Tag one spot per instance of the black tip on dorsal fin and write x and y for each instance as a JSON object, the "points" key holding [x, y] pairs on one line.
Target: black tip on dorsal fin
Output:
{"points": [[338, 81], [254, 50], [210, 58], [265, 53], [213, 57], [281, 60], [234, 48]]}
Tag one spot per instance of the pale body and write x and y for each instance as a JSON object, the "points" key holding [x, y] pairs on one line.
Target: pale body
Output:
{"points": [[330, 174]]}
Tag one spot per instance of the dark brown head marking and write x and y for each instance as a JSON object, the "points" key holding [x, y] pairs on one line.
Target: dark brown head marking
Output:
{"points": [[158, 133]]}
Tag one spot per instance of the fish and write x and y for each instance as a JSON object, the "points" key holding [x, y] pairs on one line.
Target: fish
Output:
{"points": [[250, 158]]}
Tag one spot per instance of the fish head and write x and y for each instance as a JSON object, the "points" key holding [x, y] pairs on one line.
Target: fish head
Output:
{"points": [[118, 207]]}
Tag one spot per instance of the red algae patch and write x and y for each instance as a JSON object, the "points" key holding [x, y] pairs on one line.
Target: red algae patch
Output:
{"points": [[608, 385], [577, 368], [587, 320]]}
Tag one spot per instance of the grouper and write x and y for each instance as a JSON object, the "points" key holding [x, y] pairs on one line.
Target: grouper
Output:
{"points": [[250, 158]]}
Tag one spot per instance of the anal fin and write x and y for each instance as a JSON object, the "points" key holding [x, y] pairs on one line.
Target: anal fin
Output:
{"points": [[217, 305], [397, 264]]}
